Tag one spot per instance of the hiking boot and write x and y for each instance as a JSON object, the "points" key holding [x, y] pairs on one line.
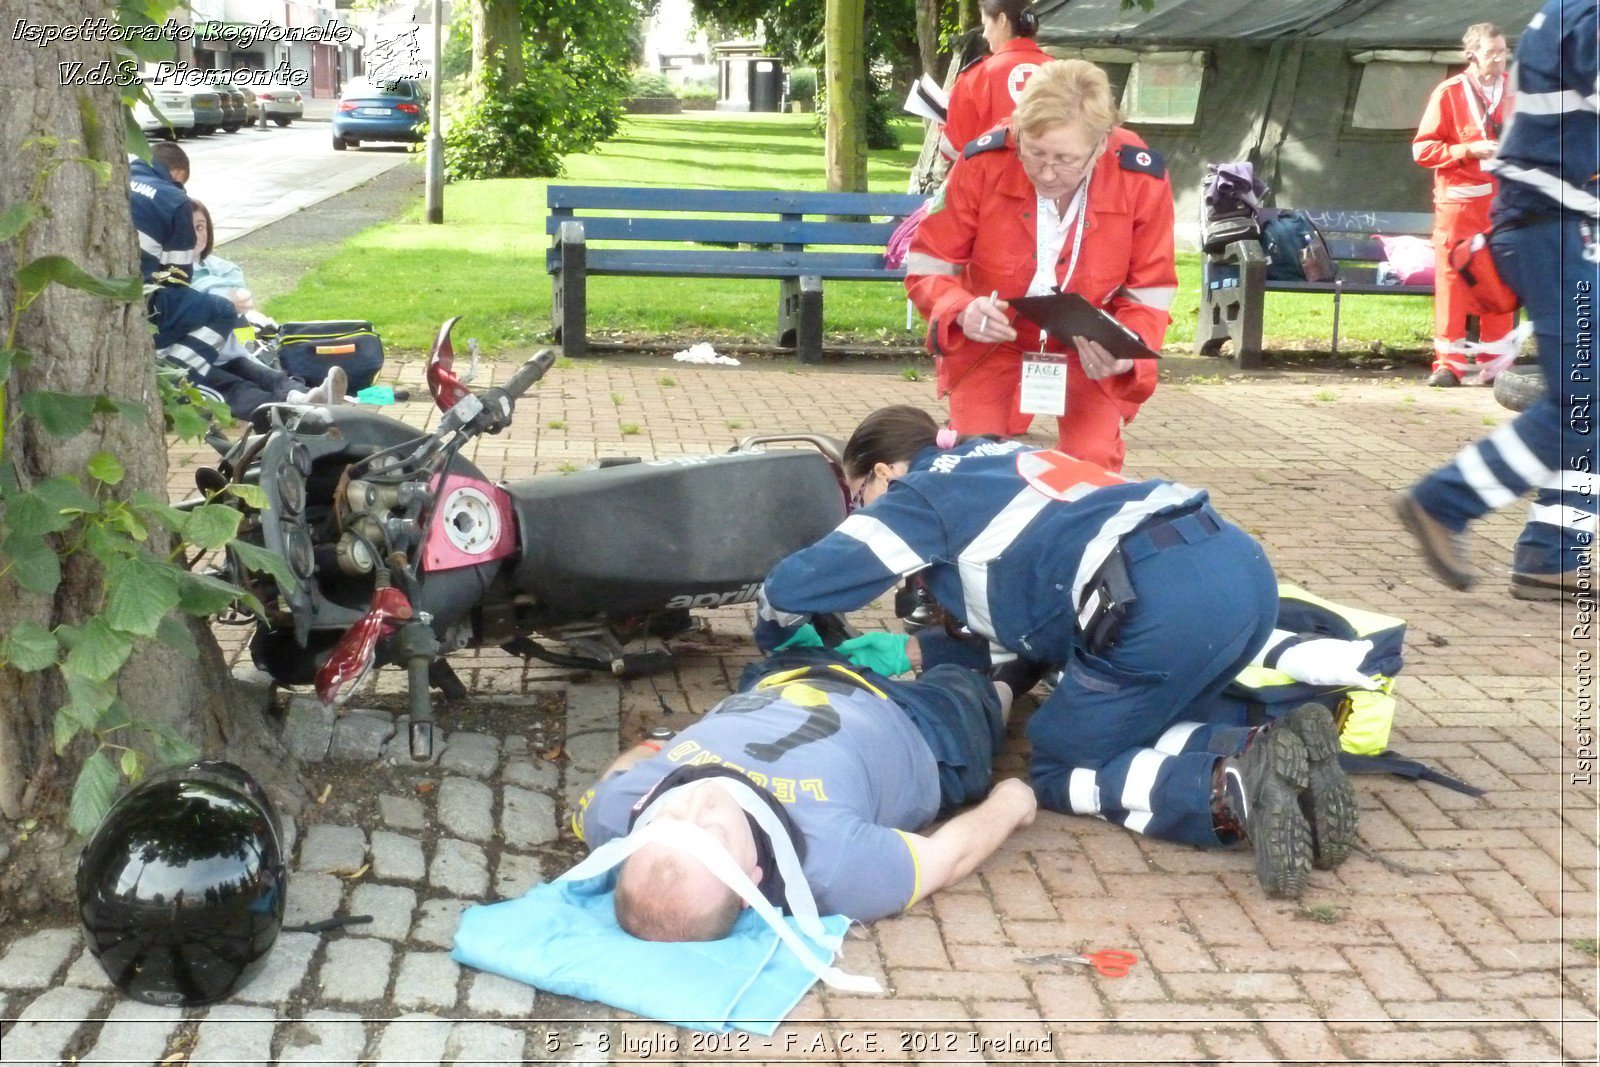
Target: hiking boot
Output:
{"points": [[1443, 378], [1443, 549], [1329, 802], [1020, 674], [1567, 585], [1261, 796]]}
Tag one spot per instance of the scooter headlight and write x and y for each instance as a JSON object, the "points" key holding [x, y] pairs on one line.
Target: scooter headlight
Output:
{"points": [[291, 491], [298, 548]]}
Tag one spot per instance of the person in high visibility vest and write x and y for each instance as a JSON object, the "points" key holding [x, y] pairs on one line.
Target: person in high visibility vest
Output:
{"points": [[1460, 130], [1148, 599]]}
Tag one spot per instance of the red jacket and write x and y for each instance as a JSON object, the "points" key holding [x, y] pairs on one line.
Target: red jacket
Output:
{"points": [[1454, 118], [979, 237], [986, 93]]}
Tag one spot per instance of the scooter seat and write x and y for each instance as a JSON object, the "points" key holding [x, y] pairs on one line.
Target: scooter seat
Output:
{"points": [[685, 532]]}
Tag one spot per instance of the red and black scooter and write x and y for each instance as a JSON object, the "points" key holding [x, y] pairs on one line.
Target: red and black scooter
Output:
{"points": [[400, 551]]}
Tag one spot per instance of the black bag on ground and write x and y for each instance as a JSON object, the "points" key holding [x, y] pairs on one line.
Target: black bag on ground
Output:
{"points": [[1295, 249], [1231, 208], [306, 350]]}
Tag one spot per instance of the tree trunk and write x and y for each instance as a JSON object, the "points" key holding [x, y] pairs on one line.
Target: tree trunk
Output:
{"points": [[928, 38], [497, 44], [85, 344], [846, 71]]}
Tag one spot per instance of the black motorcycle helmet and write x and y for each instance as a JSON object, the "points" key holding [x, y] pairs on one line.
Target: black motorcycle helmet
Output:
{"points": [[181, 888]]}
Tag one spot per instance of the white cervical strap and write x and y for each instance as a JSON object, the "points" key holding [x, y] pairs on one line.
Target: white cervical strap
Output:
{"points": [[710, 852]]}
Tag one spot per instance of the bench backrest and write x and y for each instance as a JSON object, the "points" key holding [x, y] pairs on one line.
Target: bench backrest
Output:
{"points": [[711, 216], [1349, 233]]}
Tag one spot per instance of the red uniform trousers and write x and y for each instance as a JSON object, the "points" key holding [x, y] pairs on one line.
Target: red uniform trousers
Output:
{"points": [[987, 397], [1455, 221]]}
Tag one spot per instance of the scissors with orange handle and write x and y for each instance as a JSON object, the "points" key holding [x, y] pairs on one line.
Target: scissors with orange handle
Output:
{"points": [[1111, 962]]}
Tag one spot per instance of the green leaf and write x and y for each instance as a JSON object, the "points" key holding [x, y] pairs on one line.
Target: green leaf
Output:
{"points": [[174, 634], [160, 510], [65, 493], [118, 517], [93, 793], [132, 765], [201, 594], [107, 546], [38, 275], [61, 414], [211, 525], [6, 356], [187, 423], [100, 652], [252, 495], [116, 717], [15, 219], [33, 564], [31, 647], [107, 468], [31, 515], [263, 561], [170, 747], [140, 590], [65, 729], [87, 699]]}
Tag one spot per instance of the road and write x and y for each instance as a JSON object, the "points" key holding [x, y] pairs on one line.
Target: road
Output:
{"points": [[253, 177]]}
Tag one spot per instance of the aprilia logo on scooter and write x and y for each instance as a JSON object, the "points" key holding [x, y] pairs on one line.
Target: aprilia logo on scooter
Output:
{"points": [[742, 595]]}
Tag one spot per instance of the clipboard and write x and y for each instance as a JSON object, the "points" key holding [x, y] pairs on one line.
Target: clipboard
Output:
{"points": [[1065, 315]]}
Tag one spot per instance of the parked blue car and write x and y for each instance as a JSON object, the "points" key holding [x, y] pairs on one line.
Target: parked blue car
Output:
{"points": [[378, 111]]}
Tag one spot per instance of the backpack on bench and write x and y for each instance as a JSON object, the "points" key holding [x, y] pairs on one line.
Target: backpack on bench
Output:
{"points": [[1295, 249]]}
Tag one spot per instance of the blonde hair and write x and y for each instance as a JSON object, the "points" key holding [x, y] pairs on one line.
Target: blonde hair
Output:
{"points": [[1479, 33], [1065, 92]]}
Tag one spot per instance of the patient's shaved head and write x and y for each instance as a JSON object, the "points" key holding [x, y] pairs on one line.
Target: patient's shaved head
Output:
{"points": [[664, 894]]}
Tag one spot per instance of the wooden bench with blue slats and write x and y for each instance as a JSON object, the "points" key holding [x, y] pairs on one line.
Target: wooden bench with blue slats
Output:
{"points": [[1234, 283], [798, 239]]}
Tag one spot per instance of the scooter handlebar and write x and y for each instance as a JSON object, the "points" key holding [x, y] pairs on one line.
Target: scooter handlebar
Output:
{"points": [[529, 373]]}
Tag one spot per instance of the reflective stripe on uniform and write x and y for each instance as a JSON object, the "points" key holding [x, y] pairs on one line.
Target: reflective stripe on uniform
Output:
{"points": [[1176, 736], [1083, 793], [890, 548], [1156, 296], [1481, 480], [182, 353], [765, 610], [1563, 516], [1568, 196], [1131, 514], [995, 538], [1518, 456], [1557, 103], [922, 263]]}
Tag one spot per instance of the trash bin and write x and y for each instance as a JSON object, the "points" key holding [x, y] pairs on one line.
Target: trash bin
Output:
{"points": [[766, 85]]}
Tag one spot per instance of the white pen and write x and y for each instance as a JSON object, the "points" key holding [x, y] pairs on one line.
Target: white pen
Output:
{"points": [[983, 324]]}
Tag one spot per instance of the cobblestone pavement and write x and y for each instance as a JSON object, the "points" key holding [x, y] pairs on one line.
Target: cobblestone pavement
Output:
{"points": [[1464, 931]]}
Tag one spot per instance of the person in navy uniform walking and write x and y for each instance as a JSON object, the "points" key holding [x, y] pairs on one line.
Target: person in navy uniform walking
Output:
{"points": [[1546, 248], [1147, 599]]}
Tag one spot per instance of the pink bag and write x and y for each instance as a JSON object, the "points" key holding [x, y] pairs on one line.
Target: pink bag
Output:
{"points": [[1411, 258], [894, 253]]}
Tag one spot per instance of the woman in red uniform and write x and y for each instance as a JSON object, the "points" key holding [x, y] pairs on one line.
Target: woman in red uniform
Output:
{"points": [[1062, 199], [986, 92]]}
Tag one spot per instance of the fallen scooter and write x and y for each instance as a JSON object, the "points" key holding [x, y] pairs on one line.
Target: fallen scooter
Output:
{"points": [[402, 552]]}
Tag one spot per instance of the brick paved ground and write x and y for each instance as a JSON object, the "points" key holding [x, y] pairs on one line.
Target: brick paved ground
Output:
{"points": [[1461, 938]]}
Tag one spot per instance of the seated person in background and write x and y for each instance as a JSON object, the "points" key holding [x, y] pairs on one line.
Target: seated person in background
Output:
{"points": [[815, 771], [194, 330], [212, 273]]}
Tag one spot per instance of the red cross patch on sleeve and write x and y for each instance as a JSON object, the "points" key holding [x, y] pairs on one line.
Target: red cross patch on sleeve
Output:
{"points": [[1143, 160]]}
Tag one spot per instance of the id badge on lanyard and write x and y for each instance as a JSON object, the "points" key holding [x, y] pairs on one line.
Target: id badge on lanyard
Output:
{"points": [[1044, 374], [1044, 384]]}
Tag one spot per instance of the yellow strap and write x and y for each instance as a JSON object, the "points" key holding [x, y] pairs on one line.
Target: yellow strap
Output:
{"points": [[782, 677]]}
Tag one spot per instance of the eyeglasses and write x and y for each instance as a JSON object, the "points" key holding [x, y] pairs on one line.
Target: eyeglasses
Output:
{"points": [[858, 499], [1501, 53], [1040, 161]]}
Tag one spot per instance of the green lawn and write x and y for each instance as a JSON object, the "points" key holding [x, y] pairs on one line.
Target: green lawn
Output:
{"points": [[486, 262]]}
